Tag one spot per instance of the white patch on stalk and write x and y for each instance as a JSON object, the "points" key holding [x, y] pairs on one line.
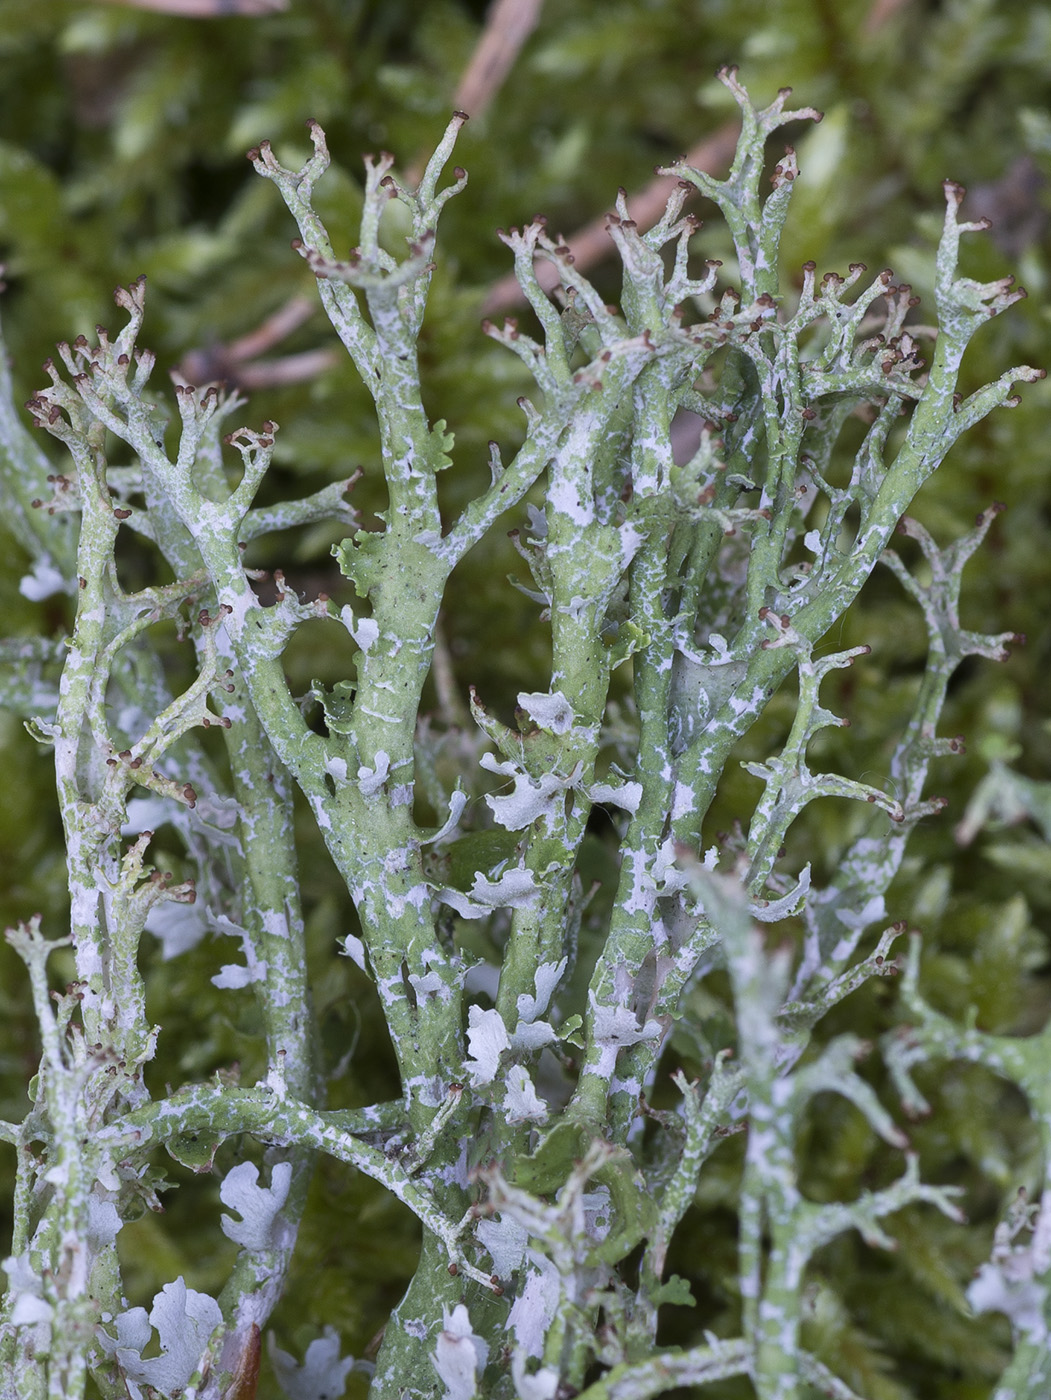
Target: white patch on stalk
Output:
{"points": [[684, 801], [562, 497], [515, 889], [740, 706], [843, 949], [459, 1355], [548, 976], [432, 540], [781, 1091], [505, 1241], [630, 540], [276, 1078], [457, 802], [365, 631], [487, 1039], [551, 712], [398, 858], [624, 795], [535, 1307], [598, 1212], [355, 950], [631, 1086], [762, 1141], [224, 647], [261, 1226], [530, 800], [640, 900], [131, 719], [653, 876], [240, 605], [521, 1104], [417, 897], [615, 1028], [370, 780], [336, 768], [184, 1320], [749, 1285], [429, 1089], [873, 910], [390, 989], [104, 1223], [456, 1173], [275, 923], [429, 984]]}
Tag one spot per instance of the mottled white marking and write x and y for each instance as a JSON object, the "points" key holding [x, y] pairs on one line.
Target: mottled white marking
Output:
{"points": [[625, 795], [261, 1226], [551, 712], [536, 1305], [370, 780], [514, 889], [355, 950], [487, 1039], [459, 1355], [521, 1104]]}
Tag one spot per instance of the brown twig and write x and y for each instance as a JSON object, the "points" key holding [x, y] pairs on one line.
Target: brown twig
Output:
{"points": [[508, 24], [233, 363], [276, 327], [591, 243], [207, 9], [880, 13]]}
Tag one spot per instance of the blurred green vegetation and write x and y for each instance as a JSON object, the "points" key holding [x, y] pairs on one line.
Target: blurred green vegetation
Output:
{"points": [[122, 140]]}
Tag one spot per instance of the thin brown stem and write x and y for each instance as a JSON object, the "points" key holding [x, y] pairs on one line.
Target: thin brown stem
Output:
{"points": [[591, 244]]}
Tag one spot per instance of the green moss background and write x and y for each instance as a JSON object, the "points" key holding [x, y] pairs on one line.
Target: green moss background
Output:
{"points": [[122, 140]]}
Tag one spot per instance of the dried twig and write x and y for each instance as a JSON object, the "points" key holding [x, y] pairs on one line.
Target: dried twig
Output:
{"points": [[206, 9], [881, 11], [508, 24], [233, 363], [592, 243]]}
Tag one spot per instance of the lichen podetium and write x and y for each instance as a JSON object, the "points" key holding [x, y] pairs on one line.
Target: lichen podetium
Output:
{"points": [[681, 595]]}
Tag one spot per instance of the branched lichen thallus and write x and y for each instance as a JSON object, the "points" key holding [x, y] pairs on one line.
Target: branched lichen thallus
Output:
{"points": [[547, 1188]]}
